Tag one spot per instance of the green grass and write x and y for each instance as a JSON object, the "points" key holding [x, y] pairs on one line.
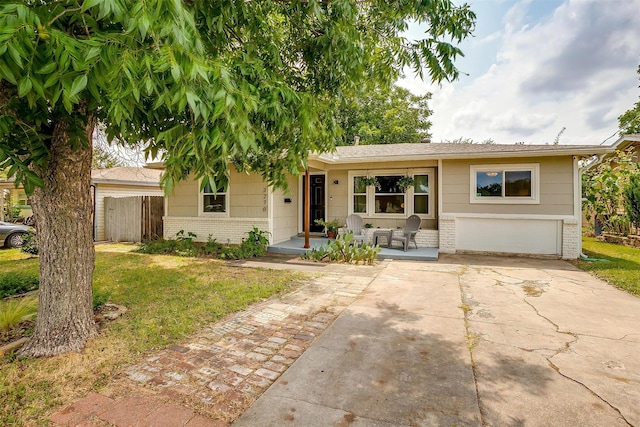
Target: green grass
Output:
{"points": [[168, 298], [623, 268]]}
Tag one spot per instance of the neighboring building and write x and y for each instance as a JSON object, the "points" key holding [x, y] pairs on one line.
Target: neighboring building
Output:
{"points": [[516, 199], [121, 182], [111, 182], [13, 198]]}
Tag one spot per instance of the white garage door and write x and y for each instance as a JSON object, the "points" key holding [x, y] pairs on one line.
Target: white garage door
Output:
{"points": [[522, 236]]}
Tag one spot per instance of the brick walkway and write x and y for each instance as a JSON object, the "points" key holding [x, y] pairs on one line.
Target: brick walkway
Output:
{"points": [[214, 377]]}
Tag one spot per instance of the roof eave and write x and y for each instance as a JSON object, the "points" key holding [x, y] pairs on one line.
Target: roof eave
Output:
{"points": [[625, 141], [330, 159], [127, 183], [154, 165]]}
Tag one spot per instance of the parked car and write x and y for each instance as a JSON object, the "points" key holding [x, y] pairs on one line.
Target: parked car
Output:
{"points": [[11, 234]]}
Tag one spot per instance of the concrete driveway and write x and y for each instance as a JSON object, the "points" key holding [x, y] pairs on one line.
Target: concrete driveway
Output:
{"points": [[480, 341]]}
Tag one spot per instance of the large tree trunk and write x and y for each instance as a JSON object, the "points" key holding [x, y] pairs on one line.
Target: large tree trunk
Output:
{"points": [[63, 211]]}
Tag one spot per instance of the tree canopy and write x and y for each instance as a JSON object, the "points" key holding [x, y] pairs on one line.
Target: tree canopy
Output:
{"points": [[385, 116], [629, 122], [202, 81], [199, 82]]}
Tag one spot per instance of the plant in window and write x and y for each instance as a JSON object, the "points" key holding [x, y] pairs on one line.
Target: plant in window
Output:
{"points": [[405, 182], [370, 180]]}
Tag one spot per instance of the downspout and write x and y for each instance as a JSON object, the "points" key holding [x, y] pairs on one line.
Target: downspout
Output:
{"points": [[581, 170]]}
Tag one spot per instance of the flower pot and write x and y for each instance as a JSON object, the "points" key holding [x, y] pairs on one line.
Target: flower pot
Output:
{"points": [[331, 234]]}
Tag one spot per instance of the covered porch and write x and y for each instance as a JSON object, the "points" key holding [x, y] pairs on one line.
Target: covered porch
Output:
{"points": [[295, 246]]}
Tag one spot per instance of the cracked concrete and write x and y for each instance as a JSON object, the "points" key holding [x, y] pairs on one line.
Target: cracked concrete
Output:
{"points": [[469, 340], [555, 345]]}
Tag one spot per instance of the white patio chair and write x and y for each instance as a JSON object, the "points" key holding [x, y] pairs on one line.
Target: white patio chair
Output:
{"points": [[354, 225]]}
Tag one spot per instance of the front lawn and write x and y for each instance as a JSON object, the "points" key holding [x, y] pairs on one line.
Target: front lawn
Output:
{"points": [[621, 270], [168, 298]]}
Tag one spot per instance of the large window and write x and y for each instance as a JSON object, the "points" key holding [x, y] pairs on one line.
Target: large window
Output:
{"points": [[504, 183], [214, 202], [388, 196], [379, 193]]}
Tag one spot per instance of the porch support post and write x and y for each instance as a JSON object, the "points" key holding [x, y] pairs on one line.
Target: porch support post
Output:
{"points": [[307, 207]]}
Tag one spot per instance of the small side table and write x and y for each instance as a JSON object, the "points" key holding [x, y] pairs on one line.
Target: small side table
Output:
{"points": [[382, 233]]}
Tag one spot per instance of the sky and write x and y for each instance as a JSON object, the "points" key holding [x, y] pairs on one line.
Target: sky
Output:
{"points": [[534, 67]]}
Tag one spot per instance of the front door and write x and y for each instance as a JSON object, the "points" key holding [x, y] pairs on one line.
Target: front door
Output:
{"points": [[317, 206]]}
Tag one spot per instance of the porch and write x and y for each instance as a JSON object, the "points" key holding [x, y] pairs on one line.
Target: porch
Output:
{"points": [[294, 246]]}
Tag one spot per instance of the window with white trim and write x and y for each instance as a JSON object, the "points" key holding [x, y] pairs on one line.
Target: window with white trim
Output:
{"points": [[421, 194], [359, 194], [385, 197], [388, 196], [214, 202], [510, 184]]}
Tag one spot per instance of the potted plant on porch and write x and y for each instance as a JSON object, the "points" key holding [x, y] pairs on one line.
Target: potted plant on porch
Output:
{"points": [[330, 227]]}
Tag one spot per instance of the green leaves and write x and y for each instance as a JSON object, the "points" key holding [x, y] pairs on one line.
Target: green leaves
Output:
{"points": [[603, 189], [385, 117], [206, 82], [78, 85]]}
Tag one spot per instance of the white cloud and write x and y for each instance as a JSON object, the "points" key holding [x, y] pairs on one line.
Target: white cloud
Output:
{"points": [[524, 124], [576, 68], [496, 35]]}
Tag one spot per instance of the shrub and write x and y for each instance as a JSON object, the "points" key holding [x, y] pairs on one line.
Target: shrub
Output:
{"points": [[157, 247], [342, 249], [181, 245], [632, 200], [13, 283], [14, 311], [185, 246], [29, 244], [603, 191], [212, 247], [254, 245]]}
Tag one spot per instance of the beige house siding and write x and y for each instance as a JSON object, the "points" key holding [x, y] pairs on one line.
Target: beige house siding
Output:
{"points": [[248, 196], [285, 215], [248, 202], [337, 195], [183, 200], [556, 187], [117, 190], [546, 227]]}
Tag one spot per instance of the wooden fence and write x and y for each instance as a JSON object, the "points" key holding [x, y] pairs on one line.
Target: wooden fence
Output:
{"points": [[132, 219]]}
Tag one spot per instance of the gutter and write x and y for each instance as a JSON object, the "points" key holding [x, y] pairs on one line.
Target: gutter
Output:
{"points": [[460, 156], [130, 183]]}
